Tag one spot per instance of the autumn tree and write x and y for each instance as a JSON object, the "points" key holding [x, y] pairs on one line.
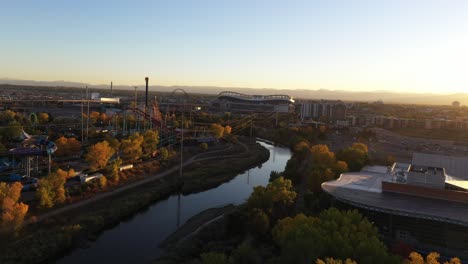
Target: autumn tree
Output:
{"points": [[12, 211], [218, 130], [67, 146], [164, 153], [43, 118], [431, 258], [103, 117], [94, 116], [98, 155], [227, 130], [51, 190], [335, 261], [7, 116], [150, 142], [132, 147]]}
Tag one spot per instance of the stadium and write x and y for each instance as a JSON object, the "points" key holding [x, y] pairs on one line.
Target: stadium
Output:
{"points": [[232, 101]]}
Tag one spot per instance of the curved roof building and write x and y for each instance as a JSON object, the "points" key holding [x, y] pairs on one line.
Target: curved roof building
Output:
{"points": [[233, 101], [419, 205]]}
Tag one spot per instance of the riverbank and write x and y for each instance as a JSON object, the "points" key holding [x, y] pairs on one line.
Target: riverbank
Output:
{"points": [[195, 224], [203, 175], [190, 240], [56, 235]]}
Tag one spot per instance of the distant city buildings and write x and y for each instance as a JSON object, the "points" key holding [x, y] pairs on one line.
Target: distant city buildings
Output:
{"points": [[456, 104], [322, 110]]}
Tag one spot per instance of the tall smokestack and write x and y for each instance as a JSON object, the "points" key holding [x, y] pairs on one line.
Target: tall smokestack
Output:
{"points": [[146, 98], [111, 88]]}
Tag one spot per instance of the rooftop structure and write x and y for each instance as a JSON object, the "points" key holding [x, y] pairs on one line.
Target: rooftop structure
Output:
{"points": [[420, 191], [455, 167]]}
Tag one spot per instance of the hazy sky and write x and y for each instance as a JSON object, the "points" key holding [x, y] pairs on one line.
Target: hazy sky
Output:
{"points": [[406, 45]]}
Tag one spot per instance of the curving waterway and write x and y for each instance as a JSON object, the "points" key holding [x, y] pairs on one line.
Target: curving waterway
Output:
{"points": [[136, 240]]}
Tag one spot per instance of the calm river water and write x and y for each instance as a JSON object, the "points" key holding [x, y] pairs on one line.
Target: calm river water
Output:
{"points": [[136, 240]]}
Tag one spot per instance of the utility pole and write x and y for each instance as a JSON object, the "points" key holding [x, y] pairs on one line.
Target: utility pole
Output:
{"points": [[251, 126], [146, 99], [181, 145], [135, 102], [87, 117], [111, 90], [82, 119]]}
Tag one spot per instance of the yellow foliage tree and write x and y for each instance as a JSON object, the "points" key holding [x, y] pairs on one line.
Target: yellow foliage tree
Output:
{"points": [[67, 146], [335, 261], [51, 190], [43, 118], [218, 130], [94, 116], [12, 212], [432, 258], [132, 147], [227, 130], [150, 141], [98, 155]]}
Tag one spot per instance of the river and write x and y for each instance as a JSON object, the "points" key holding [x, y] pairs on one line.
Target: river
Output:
{"points": [[136, 240]]}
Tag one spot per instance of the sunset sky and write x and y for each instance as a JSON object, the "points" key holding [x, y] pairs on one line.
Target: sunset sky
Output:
{"points": [[404, 46]]}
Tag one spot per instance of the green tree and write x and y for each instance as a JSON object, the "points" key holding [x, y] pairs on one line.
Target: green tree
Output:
{"points": [[244, 254], [13, 130], [355, 156], [275, 199], [203, 146], [98, 155], [114, 173], [113, 142], [259, 222], [213, 258], [335, 234]]}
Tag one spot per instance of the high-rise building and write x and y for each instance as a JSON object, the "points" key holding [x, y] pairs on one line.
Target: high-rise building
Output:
{"points": [[322, 110]]}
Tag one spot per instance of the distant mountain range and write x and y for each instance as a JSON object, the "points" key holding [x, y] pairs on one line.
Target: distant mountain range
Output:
{"points": [[385, 96]]}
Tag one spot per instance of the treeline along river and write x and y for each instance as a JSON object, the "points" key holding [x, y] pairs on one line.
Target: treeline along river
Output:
{"points": [[136, 240]]}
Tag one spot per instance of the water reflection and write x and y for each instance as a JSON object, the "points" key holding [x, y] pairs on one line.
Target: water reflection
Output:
{"points": [[137, 239]]}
